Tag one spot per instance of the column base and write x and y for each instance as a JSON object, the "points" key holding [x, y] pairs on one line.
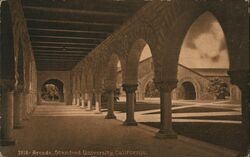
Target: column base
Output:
{"points": [[8, 142], [18, 126], [98, 112], [110, 116], [166, 134], [130, 123]]}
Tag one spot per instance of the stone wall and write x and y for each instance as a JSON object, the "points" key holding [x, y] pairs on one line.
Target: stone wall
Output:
{"points": [[184, 74]]}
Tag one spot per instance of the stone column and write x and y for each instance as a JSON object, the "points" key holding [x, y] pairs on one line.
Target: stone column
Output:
{"points": [[130, 104], [82, 100], [241, 79], [98, 101], [85, 100], [7, 116], [25, 106], [19, 102], [32, 99], [30, 103], [165, 88], [77, 99], [89, 101], [73, 100], [110, 105]]}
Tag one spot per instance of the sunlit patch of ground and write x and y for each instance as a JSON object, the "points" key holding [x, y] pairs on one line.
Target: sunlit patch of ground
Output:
{"points": [[213, 122]]}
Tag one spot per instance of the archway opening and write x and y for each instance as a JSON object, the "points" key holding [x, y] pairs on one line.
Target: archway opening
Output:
{"points": [[151, 91], [189, 91], [53, 91], [145, 73], [119, 95], [204, 59], [113, 79]]}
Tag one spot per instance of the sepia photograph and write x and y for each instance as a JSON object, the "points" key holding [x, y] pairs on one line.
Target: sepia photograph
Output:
{"points": [[124, 78]]}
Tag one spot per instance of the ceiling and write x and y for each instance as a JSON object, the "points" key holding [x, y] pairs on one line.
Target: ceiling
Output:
{"points": [[63, 32]]}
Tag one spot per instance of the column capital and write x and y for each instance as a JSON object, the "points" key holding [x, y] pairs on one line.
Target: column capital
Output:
{"points": [[166, 86], [129, 88]]}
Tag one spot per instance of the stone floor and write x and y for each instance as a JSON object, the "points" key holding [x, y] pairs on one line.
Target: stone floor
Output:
{"points": [[72, 131]]}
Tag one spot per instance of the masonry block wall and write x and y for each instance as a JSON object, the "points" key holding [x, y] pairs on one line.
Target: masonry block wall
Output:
{"points": [[184, 74]]}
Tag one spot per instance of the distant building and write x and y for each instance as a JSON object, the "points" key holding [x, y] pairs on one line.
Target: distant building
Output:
{"points": [[192, 83]]}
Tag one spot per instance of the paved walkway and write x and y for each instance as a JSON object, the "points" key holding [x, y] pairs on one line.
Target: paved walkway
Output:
{"points": [[71, 131]]}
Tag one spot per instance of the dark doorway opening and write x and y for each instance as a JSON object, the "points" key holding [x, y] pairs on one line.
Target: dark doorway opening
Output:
{"points": [[189, 91]]}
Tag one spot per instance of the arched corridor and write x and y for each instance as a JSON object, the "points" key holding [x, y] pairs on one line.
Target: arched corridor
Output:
{"points": [[107, 76]]}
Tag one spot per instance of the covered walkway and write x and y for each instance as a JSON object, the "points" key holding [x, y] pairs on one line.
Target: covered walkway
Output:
{"points": [[90, 133], [68, 52]]}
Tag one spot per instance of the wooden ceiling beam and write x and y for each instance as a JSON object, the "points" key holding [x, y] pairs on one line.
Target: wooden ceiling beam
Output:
{"points": [[57, 59], [68, 26], [71, 34], [48, 67], [61, 48], [62, 51], [33, 14], [59, 54], [68, 31], [75, 11], [77, 57], [72, 22], [65, 37], [65, 40], [63, 43], [119, 6]]}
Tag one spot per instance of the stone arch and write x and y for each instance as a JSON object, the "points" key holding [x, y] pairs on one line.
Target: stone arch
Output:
{"points": [[52, 90], [89, 80], [194, 82], [174, 40], [83, 82], [111, 69], [132, 62], [78, 81]]}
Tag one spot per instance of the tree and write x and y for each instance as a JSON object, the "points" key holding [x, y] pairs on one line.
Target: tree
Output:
{"points": [[218, 88]]}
